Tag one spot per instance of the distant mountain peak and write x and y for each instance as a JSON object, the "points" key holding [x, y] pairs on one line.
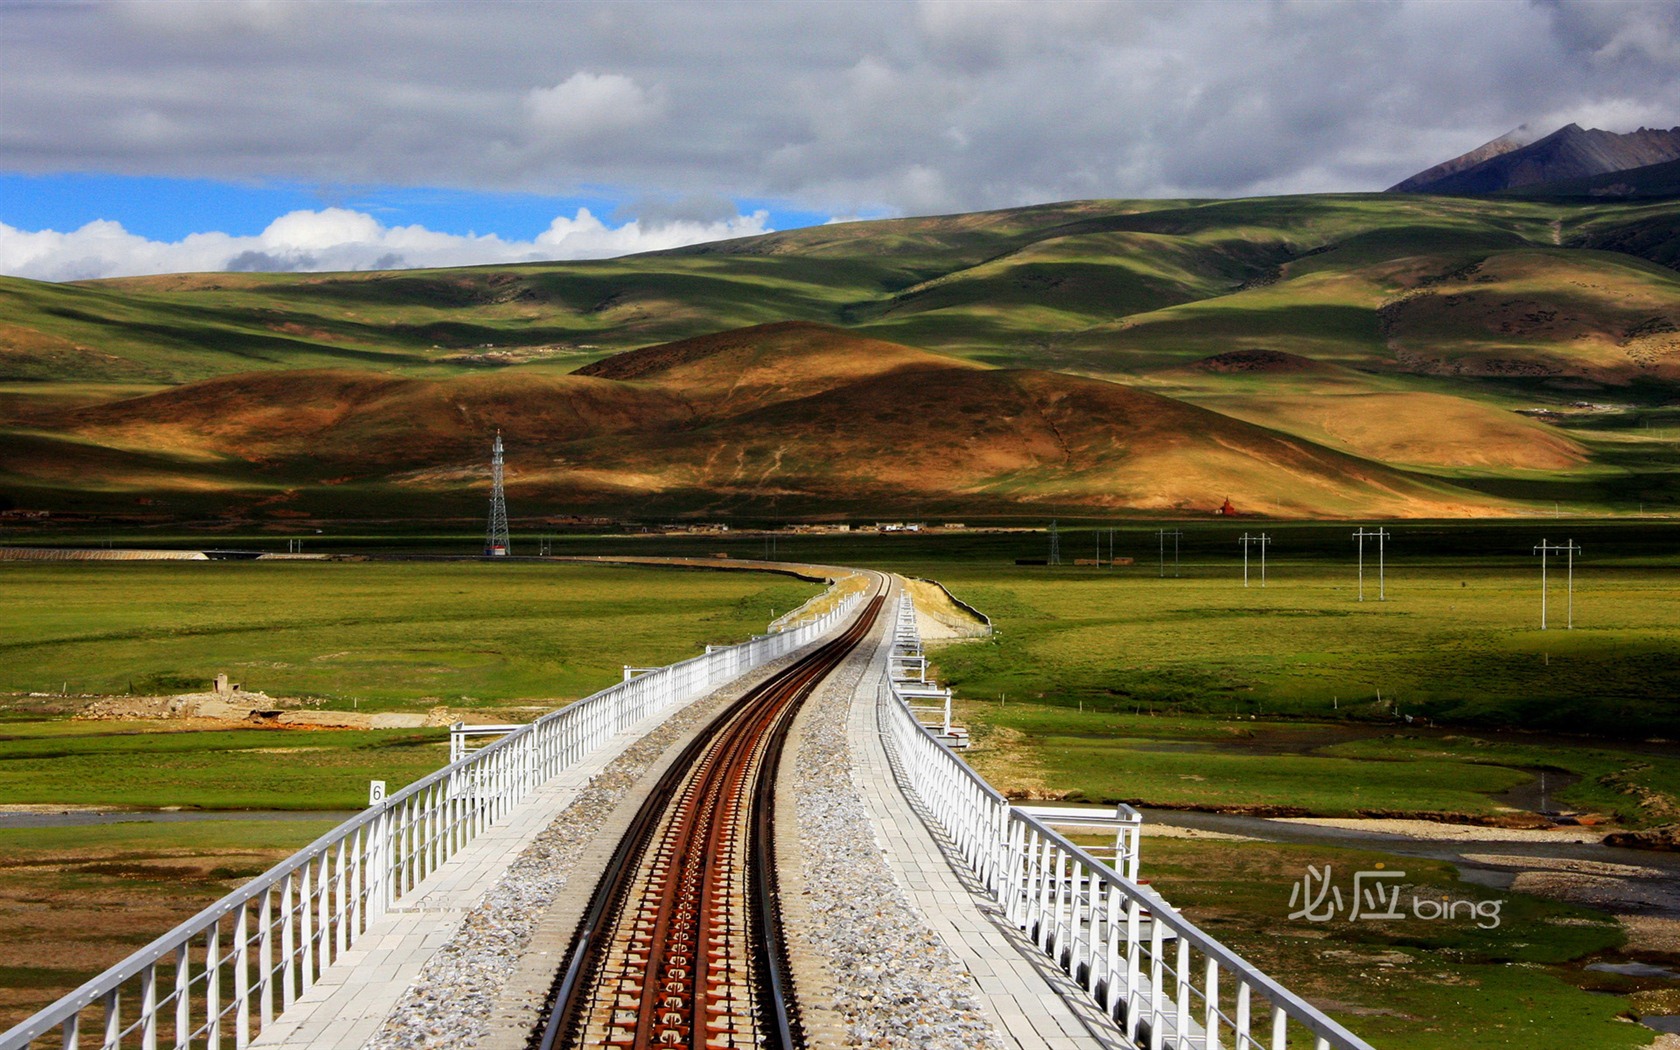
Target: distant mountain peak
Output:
{"points": [[1519, 159], [1518, 137]]}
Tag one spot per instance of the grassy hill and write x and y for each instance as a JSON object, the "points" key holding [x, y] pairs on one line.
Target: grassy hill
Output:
{"points": [[1443, 355]]}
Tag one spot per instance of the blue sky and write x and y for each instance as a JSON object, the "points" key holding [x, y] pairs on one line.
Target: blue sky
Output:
{"points": [[145, 136], [168, 209]]}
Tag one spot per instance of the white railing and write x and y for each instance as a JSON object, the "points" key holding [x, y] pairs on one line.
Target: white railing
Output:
{"points": [[1164, 981], [224, 975]]}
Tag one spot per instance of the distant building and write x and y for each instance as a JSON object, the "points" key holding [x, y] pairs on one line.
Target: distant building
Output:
{"points": [[1226, 511]]}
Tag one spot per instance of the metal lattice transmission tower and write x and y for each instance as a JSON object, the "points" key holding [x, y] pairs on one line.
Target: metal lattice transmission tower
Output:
{"points": [[496, 536], [1055, 544]]}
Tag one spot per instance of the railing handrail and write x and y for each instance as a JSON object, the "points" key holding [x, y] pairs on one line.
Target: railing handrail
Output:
{"points": [[1298, 1009], [103, 986]]}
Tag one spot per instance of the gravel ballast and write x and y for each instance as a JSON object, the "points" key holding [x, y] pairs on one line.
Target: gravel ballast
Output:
{"points": [[895, 984]]}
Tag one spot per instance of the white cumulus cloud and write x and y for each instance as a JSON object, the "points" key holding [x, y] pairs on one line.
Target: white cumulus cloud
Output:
{"points": [[339, 239], [589, 105]]}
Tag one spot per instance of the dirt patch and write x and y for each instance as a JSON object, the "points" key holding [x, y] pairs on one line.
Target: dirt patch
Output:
{"points": [[938, 618], [1168, 831], [1458, 832], [1615, 895], [1651, 933], [1004, 757], [213, 711]]}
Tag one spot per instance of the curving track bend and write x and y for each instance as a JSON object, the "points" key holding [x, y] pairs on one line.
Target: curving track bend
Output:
{"points": [[682, 944]]}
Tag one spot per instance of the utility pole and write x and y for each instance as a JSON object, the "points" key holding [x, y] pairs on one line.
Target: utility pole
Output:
{"points": [[1569, 548], [1380, 536], [1162, 535], [1261, 541]]}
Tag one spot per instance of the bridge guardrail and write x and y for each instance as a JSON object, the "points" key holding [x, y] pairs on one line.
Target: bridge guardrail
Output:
{"points": [[1167, 983], [222, 976]]}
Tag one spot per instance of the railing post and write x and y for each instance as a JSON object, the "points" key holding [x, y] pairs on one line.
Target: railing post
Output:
{"points": [[323, 915], [265, 958], [1181, 991], [213, 987], [183, 989], [1243, 1037], [148, 1008], [242, 978], [288, 943], [1157, 977], [113, 1017], [1111, 954], [1210, 1000], [306, 925], [341, 908], [1134, 964]]}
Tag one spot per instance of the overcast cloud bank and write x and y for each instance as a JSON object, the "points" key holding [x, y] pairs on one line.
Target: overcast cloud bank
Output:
{"points": [[337, 239], [866, 107]]}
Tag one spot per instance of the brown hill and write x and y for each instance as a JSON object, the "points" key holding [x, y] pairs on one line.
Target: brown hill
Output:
{"points": [[371, 421], [1001, 438], [789, 416], [1571, 152], [735, 371]]}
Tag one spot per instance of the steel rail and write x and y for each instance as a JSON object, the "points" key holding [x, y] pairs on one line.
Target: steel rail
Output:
{"points": [[666, 894]]}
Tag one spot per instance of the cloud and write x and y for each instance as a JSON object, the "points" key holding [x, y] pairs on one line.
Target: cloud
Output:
{"points": [[589, 105], [339, 239], [862, 108]]}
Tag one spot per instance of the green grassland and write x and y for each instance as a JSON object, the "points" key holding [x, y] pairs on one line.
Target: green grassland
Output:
{"points": [[1453, 644], [147, 766], [1195, 691], [386, 636], [1412, 984], [508, 640]]}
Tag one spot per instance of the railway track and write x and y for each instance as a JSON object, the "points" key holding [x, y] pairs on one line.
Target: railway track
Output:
{"points": [[682, 944]]}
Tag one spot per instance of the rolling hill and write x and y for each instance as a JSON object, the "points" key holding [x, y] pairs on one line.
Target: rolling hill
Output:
{"points": [[1407, 353], [776, 418]]}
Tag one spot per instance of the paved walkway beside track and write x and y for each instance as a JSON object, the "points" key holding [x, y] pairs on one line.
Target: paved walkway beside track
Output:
{"points": [[1034, 1005]]}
